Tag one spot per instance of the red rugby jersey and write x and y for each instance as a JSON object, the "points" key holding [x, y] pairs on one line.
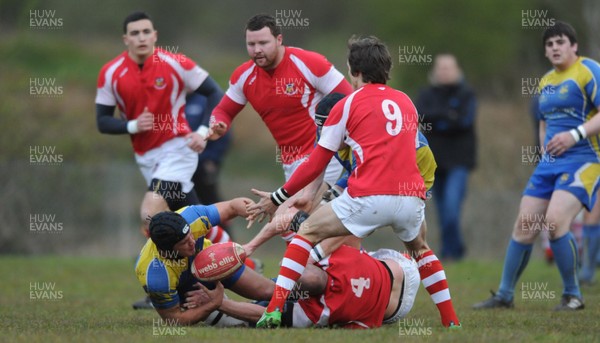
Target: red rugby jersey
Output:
{"points": [[161, 85], [380, 124], [285, 98], [357, 294]]}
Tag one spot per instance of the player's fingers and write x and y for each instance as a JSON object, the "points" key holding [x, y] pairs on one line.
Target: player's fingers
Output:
{"points": [[254, 209], [221, 126], [248, 202], [192, 293], [190, 305], [261, 194], [202, 287]]}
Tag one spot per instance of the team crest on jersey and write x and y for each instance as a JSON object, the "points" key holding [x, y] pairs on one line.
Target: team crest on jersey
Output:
{"points": [[563, 92], [290, 89], [159, 83], [564, 177]]}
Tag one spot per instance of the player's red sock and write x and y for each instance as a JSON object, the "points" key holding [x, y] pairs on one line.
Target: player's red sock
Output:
{"points": [[287, 236], [434, 279], [292, 266], [218, 235]]}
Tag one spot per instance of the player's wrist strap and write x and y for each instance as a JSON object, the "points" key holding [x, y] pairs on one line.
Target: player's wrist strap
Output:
{"points": [[279, 196], [132, 126], [317, 253], [578, 133], [203, 131], [581, 131]]}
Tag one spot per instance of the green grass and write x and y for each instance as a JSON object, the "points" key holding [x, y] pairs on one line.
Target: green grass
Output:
{"points": [[95, 298]]}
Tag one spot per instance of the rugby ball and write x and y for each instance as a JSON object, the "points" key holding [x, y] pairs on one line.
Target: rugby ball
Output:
{"points": [[218, 261]]}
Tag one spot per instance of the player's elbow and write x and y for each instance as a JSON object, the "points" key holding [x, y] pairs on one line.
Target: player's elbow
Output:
{"points": [[101, 126]]}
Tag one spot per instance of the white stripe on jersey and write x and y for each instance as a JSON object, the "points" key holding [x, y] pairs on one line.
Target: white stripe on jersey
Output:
{"points": [[304, 99], [174, 105], [324, 84], [104, 95], [332, 136], [325, 314], [355, 148], [192, 79], [178, 101], [119, 99], [235, 91]]}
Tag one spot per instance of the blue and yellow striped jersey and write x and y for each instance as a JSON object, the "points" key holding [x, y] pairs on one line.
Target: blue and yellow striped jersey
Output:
{"points": [[425, 161], [161, 275], [568, 99]]}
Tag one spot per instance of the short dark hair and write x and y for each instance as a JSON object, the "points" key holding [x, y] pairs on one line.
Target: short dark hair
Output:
{"points": [[371, 57], [560, 28], [135, 16], [259, 21]]}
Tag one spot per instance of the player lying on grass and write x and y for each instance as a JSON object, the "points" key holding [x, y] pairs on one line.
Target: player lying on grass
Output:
{"points": [[163, 267], [431, 269], [357, 290]]}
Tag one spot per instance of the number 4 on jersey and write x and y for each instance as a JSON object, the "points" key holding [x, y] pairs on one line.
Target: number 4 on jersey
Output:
{"points": [[359, 285]]}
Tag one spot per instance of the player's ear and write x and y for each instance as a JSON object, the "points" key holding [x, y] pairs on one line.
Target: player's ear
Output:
{"points": [[279, 39]]}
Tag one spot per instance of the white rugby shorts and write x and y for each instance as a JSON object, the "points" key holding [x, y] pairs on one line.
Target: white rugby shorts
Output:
{"points": [[172, 161], [363, 215]]}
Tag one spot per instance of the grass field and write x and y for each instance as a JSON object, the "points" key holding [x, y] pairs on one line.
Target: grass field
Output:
{"points": [[59, 299]]}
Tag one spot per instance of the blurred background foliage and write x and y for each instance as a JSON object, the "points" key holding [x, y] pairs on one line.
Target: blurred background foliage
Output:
{"points": [[98, 180]]}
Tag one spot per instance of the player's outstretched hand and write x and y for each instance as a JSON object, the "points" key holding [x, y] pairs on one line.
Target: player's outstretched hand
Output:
{"points": [[560, 143], [264, 208], [145, 121]]}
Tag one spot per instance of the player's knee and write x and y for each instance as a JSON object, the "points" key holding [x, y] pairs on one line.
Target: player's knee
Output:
{"points": [[311, 233], [557, 226], [527, 227]]}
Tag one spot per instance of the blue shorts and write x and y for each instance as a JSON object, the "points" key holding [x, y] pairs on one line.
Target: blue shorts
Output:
{"points": [[580, 179]]}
